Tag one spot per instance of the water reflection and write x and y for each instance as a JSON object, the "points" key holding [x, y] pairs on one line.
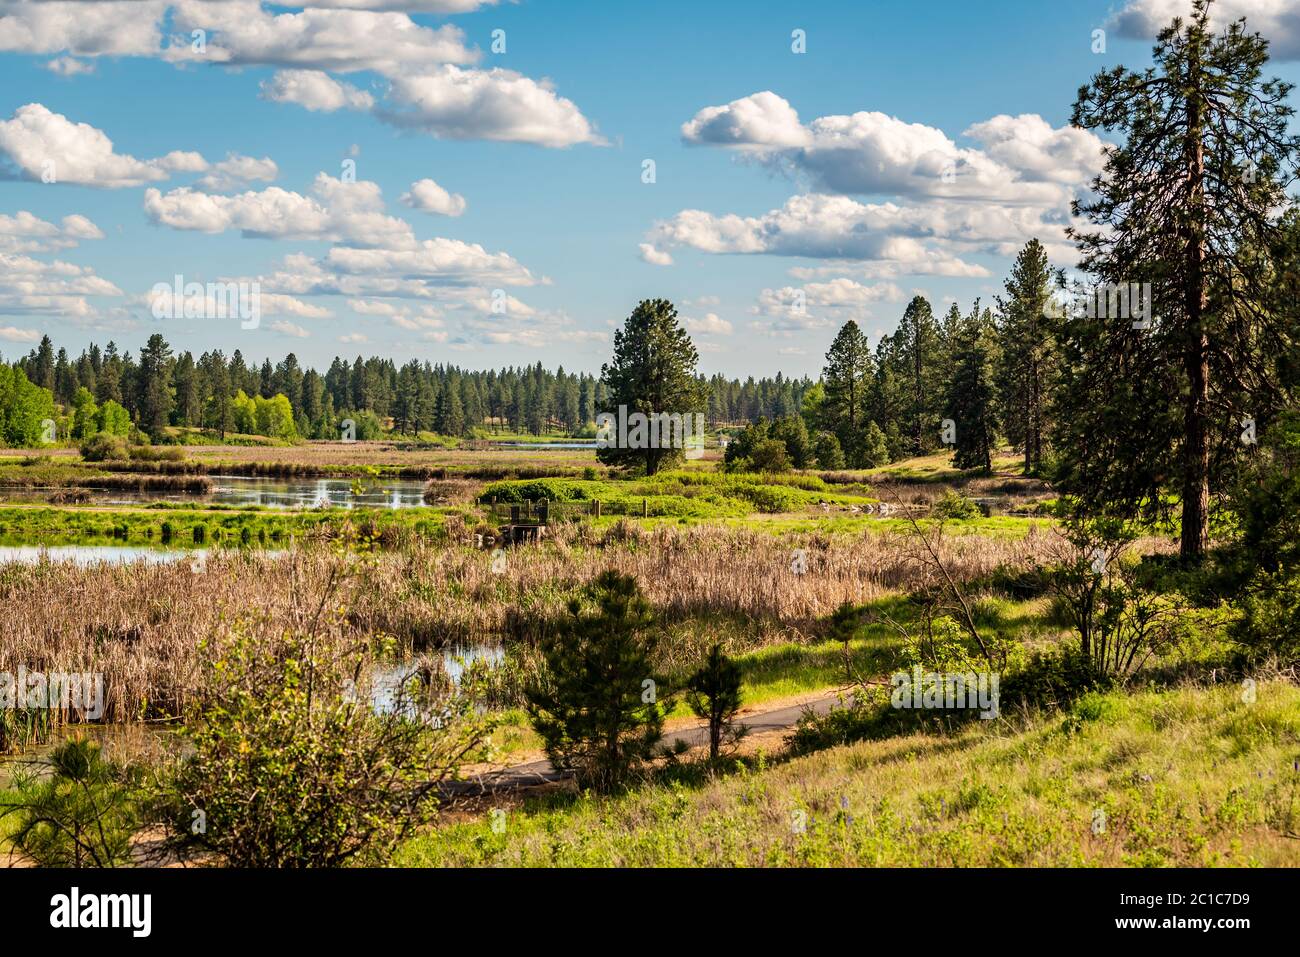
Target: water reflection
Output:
{"points": [[316, 493]]}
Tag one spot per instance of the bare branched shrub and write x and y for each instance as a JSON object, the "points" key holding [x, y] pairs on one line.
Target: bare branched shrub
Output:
{"points": [[1120, 624]]}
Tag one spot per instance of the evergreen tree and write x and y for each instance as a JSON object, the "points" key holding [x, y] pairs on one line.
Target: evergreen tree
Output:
{"points": [[923, 372], [875, 448], [652, 372], [155, 387], [595, 705], [713, 693], [829, 453], [41, 370], [188, 410], [846, 387], [972, 394], [1030, 358], [1188, 201]]}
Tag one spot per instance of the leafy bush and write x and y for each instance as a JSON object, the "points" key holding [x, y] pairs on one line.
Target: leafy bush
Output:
{"points": [[1120, 623], [1050, 680], [149, 453], [1266, 559], [875, 448], [292, 766], [552, 490], [955, 506], [770, 447], [769, 456], [771, 499], [102, 447]]}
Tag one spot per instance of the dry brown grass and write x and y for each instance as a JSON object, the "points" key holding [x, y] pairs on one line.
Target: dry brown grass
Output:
{"points": [[142, 626]]}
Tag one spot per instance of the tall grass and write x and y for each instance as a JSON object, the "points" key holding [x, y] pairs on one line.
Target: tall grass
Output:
{"points": [[142, 626]]}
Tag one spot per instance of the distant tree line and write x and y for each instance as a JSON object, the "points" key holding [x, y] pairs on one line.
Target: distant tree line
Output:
{"points": [[159, 388]]}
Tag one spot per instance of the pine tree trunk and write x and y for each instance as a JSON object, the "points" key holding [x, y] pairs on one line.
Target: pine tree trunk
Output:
{"points": [[1196, 439]]}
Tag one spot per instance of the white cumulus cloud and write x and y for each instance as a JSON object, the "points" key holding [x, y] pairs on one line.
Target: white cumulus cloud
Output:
{"points": [[428, 197]]}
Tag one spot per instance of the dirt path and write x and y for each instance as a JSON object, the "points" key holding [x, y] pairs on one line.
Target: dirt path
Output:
{"points": [[539, 772]]}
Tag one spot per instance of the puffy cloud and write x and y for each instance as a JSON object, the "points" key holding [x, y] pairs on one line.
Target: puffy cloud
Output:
{"points": [[653, 256], [236, 170], [819, 226], [709, 325], [69, 66], [26, 233], [36, 142], [845, 292], [277, 304], [336, 211], [423, 318], [428, 197], [55, 289], [109, 28], [317, 91], [760, 120], [1277, 20], [14, 334], [439, 260], [819, 305], [434, 87], [290, 329], [333, 36], [536, 331], [497, 104], [1030, 145], [178, 161], [374, 307], [246, 33], [1025, 160]]}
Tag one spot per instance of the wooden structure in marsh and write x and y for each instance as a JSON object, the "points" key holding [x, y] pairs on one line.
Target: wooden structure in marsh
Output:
{"points": [[527, 521]]}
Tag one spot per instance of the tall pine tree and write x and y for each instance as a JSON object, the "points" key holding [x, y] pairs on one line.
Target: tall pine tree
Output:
{"points": [[652, 372], [1030, 359], [1186, 202]]}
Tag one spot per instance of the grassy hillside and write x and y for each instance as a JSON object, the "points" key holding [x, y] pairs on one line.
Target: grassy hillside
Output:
{"points": [[1193, 776]]}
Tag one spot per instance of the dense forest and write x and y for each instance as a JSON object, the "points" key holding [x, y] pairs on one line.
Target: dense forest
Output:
{"points": [[161, 389]]}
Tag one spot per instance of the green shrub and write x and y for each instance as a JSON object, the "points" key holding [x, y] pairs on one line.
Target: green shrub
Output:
{"points": [[955, 506], [291, 767], [769, 498], [552, 490], [594, 702], [769, 455], [829, 453], [102, 447], [149, 453], [1050, 680]]}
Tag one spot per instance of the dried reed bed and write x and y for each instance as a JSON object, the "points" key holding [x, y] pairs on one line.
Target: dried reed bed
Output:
{"points": [[143, 626], [345, 454]]}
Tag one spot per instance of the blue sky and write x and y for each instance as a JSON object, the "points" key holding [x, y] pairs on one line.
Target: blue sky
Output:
{"points": [[912, 147]]}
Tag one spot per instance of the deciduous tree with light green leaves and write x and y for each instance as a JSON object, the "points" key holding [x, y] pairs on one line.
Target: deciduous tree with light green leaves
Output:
{"points": [[24, 409]]}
